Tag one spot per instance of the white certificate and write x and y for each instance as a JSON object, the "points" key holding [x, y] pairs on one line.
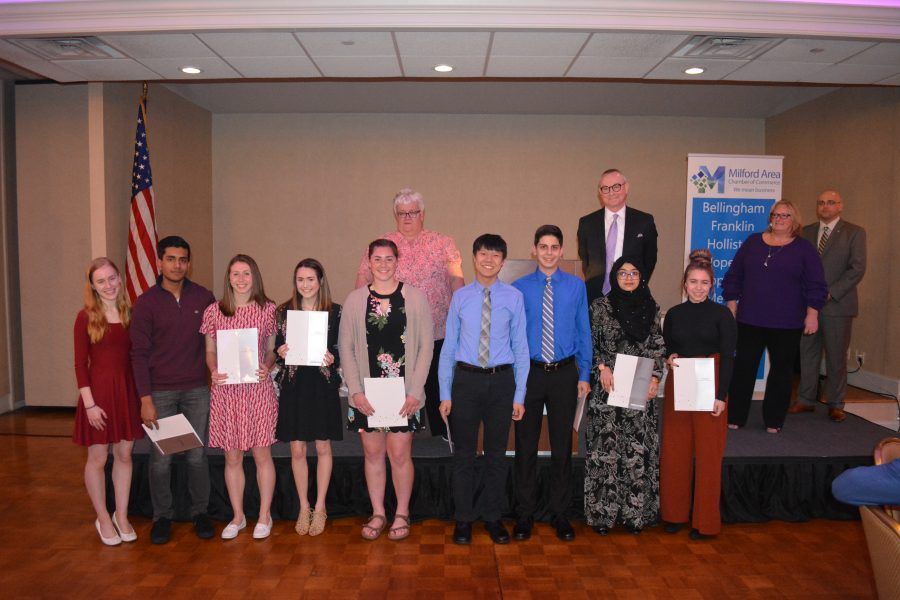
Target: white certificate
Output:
{"points": [[306, 337], [631, 382], [237, 353], [386, 395], [695, 384], [174, 434]]}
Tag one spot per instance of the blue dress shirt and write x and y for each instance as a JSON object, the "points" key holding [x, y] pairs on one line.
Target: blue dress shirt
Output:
{"points": [[508, 344], [571, 324]]}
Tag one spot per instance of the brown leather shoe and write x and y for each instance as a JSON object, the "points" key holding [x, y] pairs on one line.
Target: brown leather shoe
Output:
{"points": [[837, 414], [798, 407]]}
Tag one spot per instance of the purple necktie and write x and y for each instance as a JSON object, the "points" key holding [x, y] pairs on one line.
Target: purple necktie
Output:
{"points": [[611, 238]]}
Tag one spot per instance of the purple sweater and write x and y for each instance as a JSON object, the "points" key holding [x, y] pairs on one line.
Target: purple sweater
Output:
{"points": [[776, 295], [168, 352]]}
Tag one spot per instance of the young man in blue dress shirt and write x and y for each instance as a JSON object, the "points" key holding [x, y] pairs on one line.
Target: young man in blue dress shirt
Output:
{"points": [[482, 374], [559, 341]]}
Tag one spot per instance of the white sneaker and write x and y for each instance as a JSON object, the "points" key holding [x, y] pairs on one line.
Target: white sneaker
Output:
{"points": [[262, 530], [232, 529]]}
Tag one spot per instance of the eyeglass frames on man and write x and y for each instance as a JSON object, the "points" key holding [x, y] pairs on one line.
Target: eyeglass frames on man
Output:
{"points": [[605, 189]]}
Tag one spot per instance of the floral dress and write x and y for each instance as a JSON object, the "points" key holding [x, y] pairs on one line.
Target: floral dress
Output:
{"points": [[621, 482], [386, 340]]}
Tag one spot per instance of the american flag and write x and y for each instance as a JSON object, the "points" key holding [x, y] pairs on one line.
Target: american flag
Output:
{"points": [[141, 271]]}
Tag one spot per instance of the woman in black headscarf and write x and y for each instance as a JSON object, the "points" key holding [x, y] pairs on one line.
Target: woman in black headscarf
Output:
{"points": [[621, 483]]}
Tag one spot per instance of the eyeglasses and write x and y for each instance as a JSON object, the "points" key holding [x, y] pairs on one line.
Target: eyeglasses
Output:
{"points": [[827, 202], [782, 216], [628, 274], [409, 215], [605, 189]]}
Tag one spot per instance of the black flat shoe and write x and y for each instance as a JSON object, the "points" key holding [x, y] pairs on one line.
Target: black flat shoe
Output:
{"points": [[522, 530], [696, 535], [673, 527], [462, 533], [632, 529], [564, 529], [161, 531], [497, 531], [600, 530]]}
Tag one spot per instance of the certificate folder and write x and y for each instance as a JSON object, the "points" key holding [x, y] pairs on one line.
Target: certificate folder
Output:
{"points": [[631, 382], [306, 337], [237, 354], [387, 396], [695, 384], [174, 434]]}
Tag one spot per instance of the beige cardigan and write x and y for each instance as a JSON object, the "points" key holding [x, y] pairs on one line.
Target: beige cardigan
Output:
{"points": [[419, 346]]}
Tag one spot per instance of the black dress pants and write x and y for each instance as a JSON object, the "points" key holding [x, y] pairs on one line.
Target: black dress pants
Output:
{"points": [[558, 391], [782, 345], [480, 398]]}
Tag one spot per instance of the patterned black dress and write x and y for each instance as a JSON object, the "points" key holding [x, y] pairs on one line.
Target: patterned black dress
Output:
{"points": [[621, 482], [386, 339]]}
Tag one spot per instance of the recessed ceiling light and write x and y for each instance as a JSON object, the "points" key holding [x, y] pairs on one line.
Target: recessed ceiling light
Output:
{"points": [[191, 70], [443, 68], [694, 70]]}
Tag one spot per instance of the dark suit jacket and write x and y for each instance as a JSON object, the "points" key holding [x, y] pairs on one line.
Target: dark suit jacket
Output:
{"points": [[844, 260], [640, 240]]}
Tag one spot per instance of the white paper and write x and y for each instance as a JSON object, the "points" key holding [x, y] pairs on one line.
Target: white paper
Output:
{"points": [[579, 411], [237, 353], [631, 382], [174, 434], [306, 337], [386, 395], [695, 384]]}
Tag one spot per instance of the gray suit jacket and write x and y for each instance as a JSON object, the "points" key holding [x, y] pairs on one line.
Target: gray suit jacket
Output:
{"points": [[844, 260]]}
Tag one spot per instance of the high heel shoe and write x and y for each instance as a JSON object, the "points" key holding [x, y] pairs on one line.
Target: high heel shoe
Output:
{"points": [[109, 541], [130, 536]]}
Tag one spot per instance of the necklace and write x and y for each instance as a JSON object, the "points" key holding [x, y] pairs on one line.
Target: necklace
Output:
{"points": [[773, 252]]}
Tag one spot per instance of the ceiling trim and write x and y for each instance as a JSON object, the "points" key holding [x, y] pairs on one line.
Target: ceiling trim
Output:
{"points": [[876, 20]]}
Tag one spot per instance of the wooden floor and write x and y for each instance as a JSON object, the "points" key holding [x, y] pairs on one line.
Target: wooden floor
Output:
{"points": [[49, 548]]}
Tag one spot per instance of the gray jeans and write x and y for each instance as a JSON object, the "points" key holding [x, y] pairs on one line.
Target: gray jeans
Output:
{"points": [[194, 405]]}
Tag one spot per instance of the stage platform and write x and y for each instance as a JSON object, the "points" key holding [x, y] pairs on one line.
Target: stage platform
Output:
{"points": [[785, 476]]}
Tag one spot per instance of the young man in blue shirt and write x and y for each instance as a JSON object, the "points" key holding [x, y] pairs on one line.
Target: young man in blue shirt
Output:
{"points": [[482, 373], [559, 342]]}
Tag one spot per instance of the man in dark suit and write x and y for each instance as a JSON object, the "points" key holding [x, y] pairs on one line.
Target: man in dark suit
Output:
{"points": [[606, 234], [842, 246]]}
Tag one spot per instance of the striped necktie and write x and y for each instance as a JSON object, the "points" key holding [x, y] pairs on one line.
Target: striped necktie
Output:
{"points": [[823, 240], [484, 342], [547, 352]]}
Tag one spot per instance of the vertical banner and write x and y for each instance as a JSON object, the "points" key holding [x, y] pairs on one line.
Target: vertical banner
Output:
{"points": [[728, 198]]}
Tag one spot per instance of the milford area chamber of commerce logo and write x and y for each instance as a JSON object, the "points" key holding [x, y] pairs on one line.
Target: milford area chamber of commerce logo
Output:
{"points": [[703, 180]]}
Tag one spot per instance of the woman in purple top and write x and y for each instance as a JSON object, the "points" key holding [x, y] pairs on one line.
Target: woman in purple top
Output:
{"points": [[775, 288]]}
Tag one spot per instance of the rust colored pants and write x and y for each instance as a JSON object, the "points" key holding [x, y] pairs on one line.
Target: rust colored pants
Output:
{"points": [[691, 457]]}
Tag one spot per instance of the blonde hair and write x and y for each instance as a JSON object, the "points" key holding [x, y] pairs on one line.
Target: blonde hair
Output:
{"points": [[93, 304], [797, 223]]}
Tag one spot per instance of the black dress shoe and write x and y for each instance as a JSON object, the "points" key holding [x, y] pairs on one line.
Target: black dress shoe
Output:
{"points": [[161, 530], [203, 527], [696, 535], [497, 531], [673, 527], [633, 529], [564, 529], [601, 530], [462, 533], [522, 530]]}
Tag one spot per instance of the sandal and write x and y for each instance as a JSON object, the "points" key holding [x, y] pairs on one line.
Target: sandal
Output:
{"points": [[302, 526], [317, 525], [400, 533], [375, 531]]}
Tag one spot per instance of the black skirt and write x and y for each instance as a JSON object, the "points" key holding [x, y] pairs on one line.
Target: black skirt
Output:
{"points": [[309, 407]]}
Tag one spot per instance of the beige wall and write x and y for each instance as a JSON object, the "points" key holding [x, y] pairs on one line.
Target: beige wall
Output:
{"points": [[288, 186], [55, 220], [850, 141]]}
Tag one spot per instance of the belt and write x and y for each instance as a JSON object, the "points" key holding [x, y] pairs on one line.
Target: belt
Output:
{"points": [[486, 371], [554, 366]]}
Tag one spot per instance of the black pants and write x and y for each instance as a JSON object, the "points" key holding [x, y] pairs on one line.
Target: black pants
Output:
{"points": [[433, 394], [480, 398], [782, 345], [558, 391]]}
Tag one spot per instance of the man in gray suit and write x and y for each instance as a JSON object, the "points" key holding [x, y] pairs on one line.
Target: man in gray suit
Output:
{"points": [[842, 246]]}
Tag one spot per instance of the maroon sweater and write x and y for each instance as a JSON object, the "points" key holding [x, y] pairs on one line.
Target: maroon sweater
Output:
{"points": [[168, 352]]}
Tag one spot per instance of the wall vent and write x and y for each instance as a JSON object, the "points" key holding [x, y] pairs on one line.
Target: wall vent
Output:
{"points": [[68, 48], [725, 46]]}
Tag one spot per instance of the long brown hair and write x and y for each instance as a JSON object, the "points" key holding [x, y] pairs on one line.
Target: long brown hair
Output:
{"points": [[323, 296], [257, 290], [93, 303]]}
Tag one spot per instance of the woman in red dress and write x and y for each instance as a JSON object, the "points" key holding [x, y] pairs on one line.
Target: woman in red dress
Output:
{"points": [[109, 412], [242, 416]]}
